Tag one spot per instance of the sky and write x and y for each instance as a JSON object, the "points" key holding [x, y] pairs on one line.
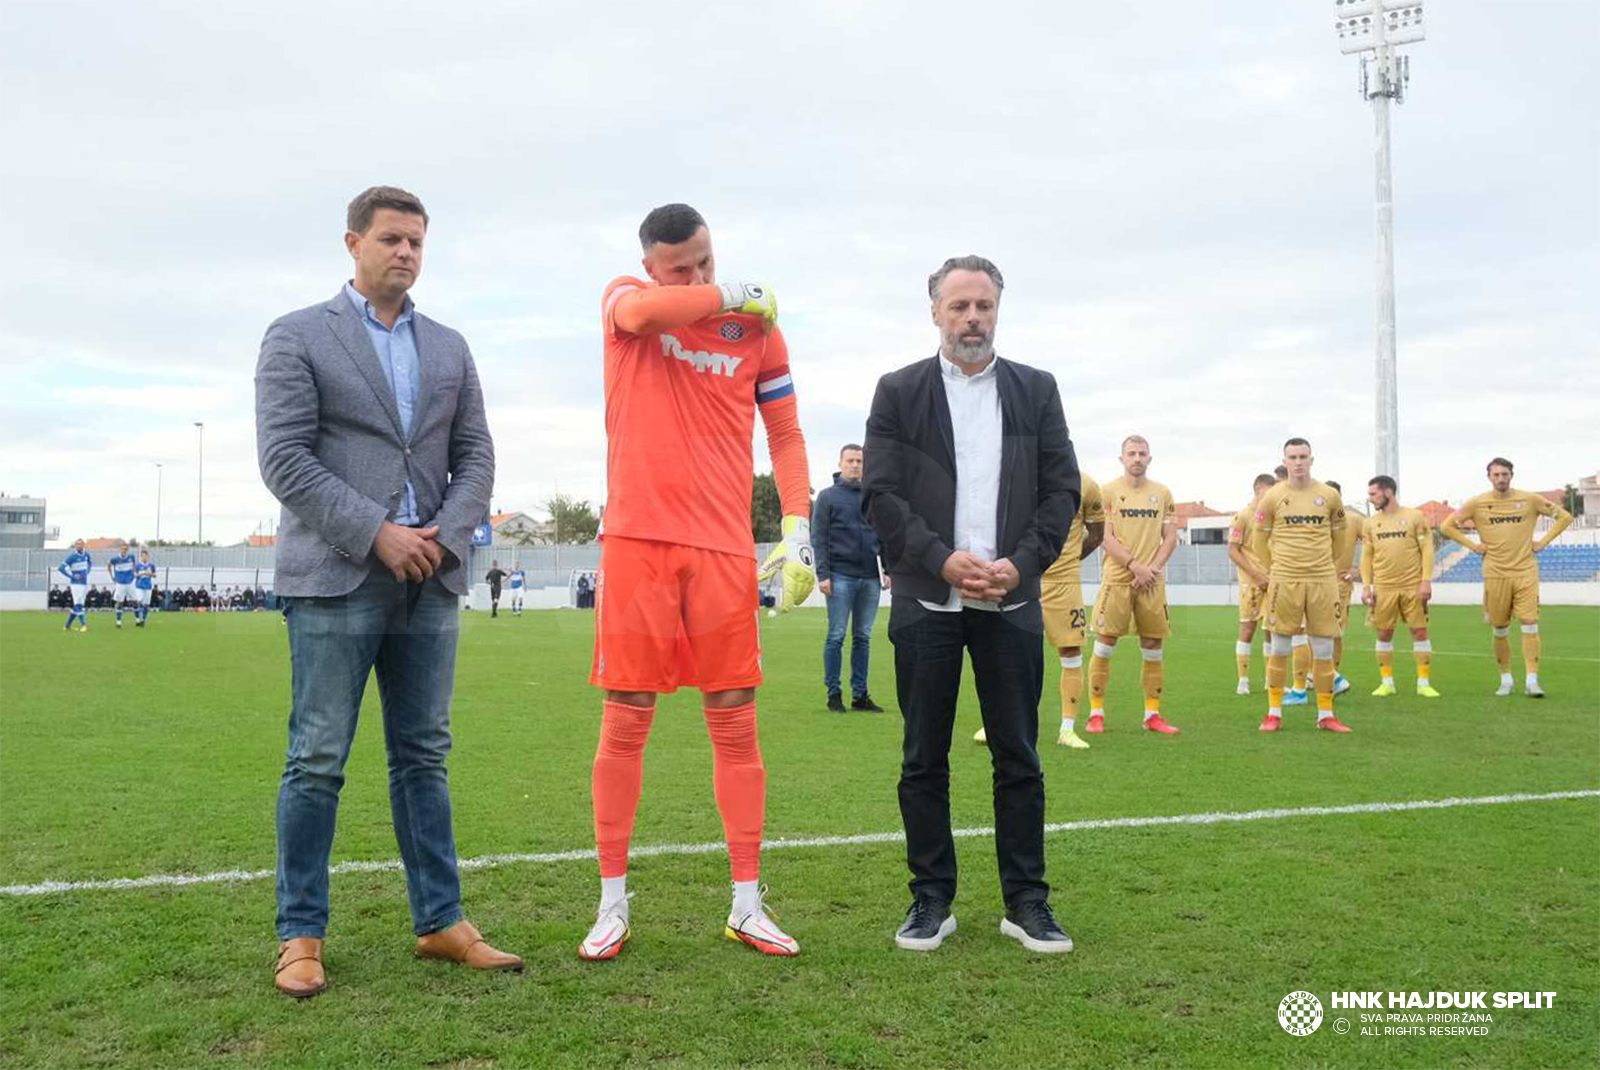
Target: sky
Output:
{"points": [[1180, 196]]}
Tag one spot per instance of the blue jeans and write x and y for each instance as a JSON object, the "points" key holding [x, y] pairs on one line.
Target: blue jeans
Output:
{"points": [[851, 595], [334, 645]]}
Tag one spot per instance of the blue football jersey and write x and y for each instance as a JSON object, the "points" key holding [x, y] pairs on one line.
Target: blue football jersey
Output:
{"points": [[518, 578], [122, 567], [144, 575], [76, 568]]}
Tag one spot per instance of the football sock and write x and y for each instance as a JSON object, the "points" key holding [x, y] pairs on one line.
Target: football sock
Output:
{"points": [[618, 774], [1153, 677], [613, 890], [1338, 653], [1530, 648], [1099, 674], [1071, 689], [1302, 661], [1241, 658], [740, 782], [1386, 660], [1277, 672], [1422, 650], [1322, 673], [1502, 650], [746, 896]]}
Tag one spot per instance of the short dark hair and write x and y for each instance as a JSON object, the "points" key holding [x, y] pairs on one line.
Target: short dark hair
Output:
{"points": [[1335, 486], [965, 263], [1384, 483], [359, 216], [1296, 441], [1265, 479], [670, 224], [848, 446], [1133, 438], [1501, 462], [1281, 472]]}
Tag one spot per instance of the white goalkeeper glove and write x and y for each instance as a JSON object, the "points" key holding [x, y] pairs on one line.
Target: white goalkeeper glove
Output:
{"points": [[752, 299], [793, 558]]}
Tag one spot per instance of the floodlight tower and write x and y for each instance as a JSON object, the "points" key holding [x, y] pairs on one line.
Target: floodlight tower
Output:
{"points": [[1376, 27]]}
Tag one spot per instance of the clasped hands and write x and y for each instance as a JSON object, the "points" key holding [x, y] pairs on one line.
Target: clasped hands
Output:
{"points": [[409, 553], [974, 577]]}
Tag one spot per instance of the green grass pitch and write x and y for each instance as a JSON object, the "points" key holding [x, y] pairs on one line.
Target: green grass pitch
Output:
{"points": [[158, 751]]}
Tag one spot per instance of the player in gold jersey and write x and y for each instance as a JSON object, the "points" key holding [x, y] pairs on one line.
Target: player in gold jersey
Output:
{"points": [[1141, 533], [1397, 581], [1505, 518], [1252, 579], [1344, 565], [1299, 528], [1061, 601]]}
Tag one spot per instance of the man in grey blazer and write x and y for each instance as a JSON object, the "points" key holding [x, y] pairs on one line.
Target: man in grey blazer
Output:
{"points": [[370, 431]]}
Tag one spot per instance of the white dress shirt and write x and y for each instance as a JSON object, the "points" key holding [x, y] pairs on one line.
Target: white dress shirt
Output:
{"points": [[975, 421]]}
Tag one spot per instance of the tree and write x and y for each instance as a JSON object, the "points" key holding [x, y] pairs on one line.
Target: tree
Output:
{"points": [[574, 521], [766, 509], [1574, 502]]}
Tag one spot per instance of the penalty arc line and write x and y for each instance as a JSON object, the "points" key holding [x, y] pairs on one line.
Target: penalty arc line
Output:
{"points": [[237, 876]]}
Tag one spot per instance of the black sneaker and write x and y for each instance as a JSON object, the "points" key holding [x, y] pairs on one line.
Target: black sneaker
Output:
{"points": [[864, 701], [835, 702], [927, 923], [1032, 923]]}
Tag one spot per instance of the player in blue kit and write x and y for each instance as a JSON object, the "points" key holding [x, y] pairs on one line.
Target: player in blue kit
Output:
{"points": [[519, 584], [121, 569], [76, 569], [144, 581]]}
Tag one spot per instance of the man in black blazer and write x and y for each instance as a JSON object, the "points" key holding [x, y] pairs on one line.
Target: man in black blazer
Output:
{"points": [[971, 483]]}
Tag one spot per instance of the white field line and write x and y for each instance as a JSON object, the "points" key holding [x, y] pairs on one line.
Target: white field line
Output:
{"points": [[234, 876]]}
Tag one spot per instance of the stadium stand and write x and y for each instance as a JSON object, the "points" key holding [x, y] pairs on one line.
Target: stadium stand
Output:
{"points": [[1557, 564]]}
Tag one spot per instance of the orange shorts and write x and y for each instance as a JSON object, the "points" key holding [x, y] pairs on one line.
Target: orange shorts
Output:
{"points": [[670, 616]]}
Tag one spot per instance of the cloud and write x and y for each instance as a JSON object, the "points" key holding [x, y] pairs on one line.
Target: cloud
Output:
{"points": [[1180, 197]]}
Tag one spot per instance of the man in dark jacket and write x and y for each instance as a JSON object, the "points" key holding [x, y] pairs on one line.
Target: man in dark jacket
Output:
{"points": [[971, 483], [846, 550]]}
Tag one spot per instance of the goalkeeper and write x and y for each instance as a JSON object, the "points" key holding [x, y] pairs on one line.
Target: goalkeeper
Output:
{"points": [[688, 362]]}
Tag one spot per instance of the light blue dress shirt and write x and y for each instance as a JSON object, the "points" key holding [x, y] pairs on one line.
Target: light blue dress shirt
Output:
{"points": [[397, 352]]}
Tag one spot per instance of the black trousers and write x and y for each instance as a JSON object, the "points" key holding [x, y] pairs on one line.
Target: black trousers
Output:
{"points": [[1007, 652]]}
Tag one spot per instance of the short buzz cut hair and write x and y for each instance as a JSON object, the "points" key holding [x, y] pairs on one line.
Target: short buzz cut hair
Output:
{"points": [[1500, 462], [1335, 485], [1384, 483], [1265, 479], [670, 224], [1133, 438], [1297, 441], [359, 216], [1281, 472], [848, 446], [965, 263]]}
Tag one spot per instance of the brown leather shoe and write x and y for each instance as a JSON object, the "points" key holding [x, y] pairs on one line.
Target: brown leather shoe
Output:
{"points": [[463, 943], [298, 971]]}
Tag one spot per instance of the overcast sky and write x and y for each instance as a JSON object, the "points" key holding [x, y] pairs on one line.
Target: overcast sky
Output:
{"points": [[1180, 195]]}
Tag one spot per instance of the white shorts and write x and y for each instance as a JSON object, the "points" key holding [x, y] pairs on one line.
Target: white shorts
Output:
{"points": [[142, 595], [80, 591], [122, 592]]}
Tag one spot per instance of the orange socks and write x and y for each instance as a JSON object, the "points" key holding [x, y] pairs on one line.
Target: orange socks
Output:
{"points": [[618, 773], [740, 780]]}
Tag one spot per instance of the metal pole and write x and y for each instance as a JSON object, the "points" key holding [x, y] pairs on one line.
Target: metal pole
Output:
{"points": [[158, 501], [1387, 422], [200, 487]]}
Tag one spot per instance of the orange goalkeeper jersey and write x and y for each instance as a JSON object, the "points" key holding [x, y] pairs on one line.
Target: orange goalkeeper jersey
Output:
{"points": [[680, 416]]}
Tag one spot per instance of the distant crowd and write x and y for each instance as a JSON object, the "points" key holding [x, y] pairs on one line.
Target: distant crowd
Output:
{"points": [[213, 599]]}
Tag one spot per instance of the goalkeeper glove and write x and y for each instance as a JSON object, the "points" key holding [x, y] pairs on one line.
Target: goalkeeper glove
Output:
{"points": [[792, 557], [752, 299]]}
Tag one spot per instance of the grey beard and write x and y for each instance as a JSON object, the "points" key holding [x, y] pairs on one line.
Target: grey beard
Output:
{"points": [[960, 352]]}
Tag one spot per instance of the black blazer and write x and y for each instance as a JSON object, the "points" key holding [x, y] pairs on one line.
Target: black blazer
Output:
{"points": [[908, 490]]}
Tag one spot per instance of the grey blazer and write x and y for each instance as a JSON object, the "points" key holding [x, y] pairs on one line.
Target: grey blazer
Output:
{"points": [[331, 450]]}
